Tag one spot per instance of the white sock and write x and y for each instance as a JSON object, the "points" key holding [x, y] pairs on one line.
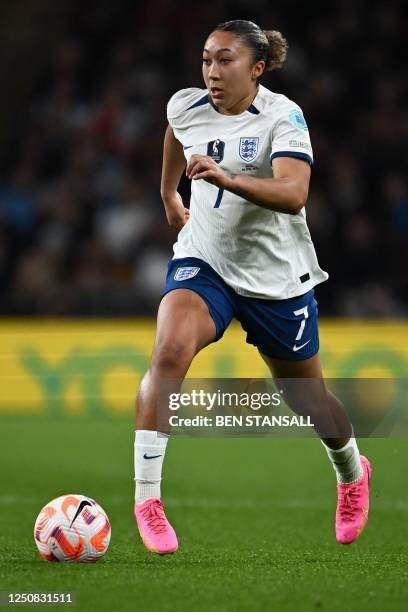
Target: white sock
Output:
{"points": [[150, 448], [346, 462]]}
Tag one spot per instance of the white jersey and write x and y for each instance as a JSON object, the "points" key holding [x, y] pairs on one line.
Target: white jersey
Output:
{"points": [[258, 252]]}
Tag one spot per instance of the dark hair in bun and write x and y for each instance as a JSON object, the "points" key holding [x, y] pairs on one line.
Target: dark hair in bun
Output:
{"points": [[267, 45]]}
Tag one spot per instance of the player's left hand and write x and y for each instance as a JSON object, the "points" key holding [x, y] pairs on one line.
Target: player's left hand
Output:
{"points": [[204, 167]]}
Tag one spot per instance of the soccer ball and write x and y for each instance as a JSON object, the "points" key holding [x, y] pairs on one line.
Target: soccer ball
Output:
{"points": [[72, 528]]}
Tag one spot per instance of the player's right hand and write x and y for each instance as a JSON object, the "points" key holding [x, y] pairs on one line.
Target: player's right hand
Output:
{"points": [[177, 215]]}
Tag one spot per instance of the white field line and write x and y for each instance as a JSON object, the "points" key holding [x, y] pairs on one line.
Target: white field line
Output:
{"points": [[222, 504]]}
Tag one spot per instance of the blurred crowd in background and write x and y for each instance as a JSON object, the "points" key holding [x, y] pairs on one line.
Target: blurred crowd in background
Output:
{"points": [[82, 227]]}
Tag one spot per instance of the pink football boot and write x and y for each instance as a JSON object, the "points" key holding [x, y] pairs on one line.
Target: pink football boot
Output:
{"points": [[352, 506], [155, 530]]}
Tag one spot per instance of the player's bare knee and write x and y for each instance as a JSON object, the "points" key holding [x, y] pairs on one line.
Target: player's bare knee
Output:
{"points": [[172, 358]]}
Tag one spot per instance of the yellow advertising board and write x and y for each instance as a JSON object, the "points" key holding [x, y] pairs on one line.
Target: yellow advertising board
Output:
{"points": [[94, 367]]}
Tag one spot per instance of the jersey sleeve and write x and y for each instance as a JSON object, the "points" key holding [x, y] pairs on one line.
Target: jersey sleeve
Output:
{"points": [[177, 109], [290, 135]]}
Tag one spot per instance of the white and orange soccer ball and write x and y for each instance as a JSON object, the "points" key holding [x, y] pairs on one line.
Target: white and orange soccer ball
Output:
{"points": [[72, 528]]}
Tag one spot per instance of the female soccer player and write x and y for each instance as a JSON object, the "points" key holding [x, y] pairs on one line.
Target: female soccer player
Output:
{"points": [[243, 251]]}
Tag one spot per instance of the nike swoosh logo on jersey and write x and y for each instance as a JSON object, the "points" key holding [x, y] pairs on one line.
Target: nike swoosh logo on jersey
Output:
{"points": [[146, 456], [297, 348], [188, 147], [81, 506]]}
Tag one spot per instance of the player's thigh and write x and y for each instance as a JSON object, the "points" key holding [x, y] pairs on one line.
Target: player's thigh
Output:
{"points": [[287, 368], [302, 382], [184, 326]]}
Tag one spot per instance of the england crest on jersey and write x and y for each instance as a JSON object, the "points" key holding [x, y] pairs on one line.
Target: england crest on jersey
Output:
{"points": [[185, 273], [248, 148]]}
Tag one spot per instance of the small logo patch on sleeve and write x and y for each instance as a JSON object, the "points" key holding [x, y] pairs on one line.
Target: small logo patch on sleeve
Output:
{"points": [[297, 119], [299, 143], [185, 273]]}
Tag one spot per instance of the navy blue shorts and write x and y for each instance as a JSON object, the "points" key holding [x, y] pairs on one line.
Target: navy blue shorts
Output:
{"points": [[283, 329]]}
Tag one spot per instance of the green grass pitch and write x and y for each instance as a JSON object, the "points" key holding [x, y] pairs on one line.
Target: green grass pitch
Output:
{"points": [[254, 519]]}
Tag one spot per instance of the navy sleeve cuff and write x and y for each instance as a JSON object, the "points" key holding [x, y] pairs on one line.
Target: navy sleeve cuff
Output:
{"points": [[293, 154]]}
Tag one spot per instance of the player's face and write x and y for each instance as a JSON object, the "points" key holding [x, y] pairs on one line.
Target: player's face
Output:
{"points": [[229, 72]]}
